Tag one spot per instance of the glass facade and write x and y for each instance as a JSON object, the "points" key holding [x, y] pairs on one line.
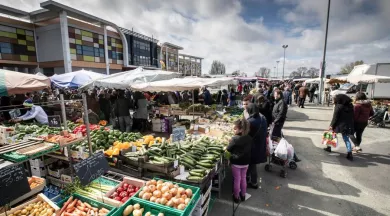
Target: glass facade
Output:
{"points": [[141, 52], [17, 44]]}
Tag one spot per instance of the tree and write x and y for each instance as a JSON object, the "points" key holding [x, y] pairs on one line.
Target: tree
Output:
{"points": [[346, 69], [295, 74], [217, 67], [313, 72], [236, 73], [302, 71], [263, 72]]}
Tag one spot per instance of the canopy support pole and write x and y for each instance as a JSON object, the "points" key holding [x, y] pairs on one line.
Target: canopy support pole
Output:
{"points": [[63, 112], [86, 122]]}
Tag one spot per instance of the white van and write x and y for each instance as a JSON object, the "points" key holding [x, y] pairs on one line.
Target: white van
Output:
{"points": [[374, 91]]}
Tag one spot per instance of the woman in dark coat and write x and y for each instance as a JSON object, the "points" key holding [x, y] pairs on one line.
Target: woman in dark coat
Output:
{"points": [[264, 108], [258, 132], [343, 121]]}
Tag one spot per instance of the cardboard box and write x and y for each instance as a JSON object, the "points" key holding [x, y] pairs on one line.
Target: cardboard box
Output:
{"points": [[38, 171], [36, 163], [66, 178], [58, 173]]}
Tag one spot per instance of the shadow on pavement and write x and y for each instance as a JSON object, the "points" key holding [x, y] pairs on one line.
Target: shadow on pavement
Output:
{"points": [[304, 129], [363, 160], [298, 116]]}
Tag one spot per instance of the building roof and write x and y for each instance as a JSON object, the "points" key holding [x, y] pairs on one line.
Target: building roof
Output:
{"points": [[13, 12], [190, 56], [131, 32], [170, 45]]}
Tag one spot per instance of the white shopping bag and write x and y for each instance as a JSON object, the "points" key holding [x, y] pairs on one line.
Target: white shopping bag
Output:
{"points": [[270, 148], [290, 152], [281, 150]]}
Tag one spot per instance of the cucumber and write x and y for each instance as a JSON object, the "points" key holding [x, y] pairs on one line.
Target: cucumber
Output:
{"points": [[188, 161], [199, 170], [161, 159], [194, 178], [187, 165], [206, 161], [207, 165], [200, 167], [192, 173]]}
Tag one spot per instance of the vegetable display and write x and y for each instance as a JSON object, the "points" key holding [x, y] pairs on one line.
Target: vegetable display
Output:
{"points": [[77, 207], [137, 210], [122, 194], [166, 193], [37, 208], [93, 190]]}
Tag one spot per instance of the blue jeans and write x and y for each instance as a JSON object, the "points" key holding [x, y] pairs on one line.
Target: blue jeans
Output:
{"points": [[347, 142]]}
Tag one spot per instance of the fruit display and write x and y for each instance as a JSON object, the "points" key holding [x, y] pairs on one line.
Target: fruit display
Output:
{"points": [[74, 206], [124, 192], [166, 194], [83, 128], [138, 210], [35, 182]]}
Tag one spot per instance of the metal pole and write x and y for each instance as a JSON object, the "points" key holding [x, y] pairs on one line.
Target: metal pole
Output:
{"points": [[322, 74], [277, 69], [284, 60], [86, 122], [63, 111]]}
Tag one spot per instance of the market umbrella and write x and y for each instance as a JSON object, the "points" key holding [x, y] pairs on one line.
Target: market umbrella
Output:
{"points": [[182, 84], [40, 74], [12, 82], [368, 78], [74, 79], [126, 79]]}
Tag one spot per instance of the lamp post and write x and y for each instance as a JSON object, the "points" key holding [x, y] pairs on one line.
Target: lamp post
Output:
{"points": [[284, 58], [275, 72], [277, 68], [323, 64]]}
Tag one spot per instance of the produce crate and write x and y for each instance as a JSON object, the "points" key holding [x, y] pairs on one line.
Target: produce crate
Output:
{"points": [[35, 190], [92, 202], [202, 184], [14, 157], [106, 181], [161, 168], [194, 199], [40, 197], [129, 180], [148, 207]]}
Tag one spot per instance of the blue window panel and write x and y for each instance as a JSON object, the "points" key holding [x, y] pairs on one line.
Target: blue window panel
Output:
{"points": [[110, 54], [113, 55], [88, 53], [88, 48], [5, 45], [6, 50], [79, 52], [96, 52], [101, 51], [120, 56]]}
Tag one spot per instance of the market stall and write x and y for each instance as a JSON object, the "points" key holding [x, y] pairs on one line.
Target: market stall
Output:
{"points": [[74, 79], [12, 82], [368, 78], [126, 79]]}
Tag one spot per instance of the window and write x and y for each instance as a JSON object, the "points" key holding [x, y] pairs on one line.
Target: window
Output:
{"points": [[101, 52], [114, 55], [88, 51], [5, 48], [79, 50], [96, 52]]}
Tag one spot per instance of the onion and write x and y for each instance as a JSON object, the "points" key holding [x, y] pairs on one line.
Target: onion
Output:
{"points": [[147, 196], [160, 214], [164, 189], [170, 185], [181, 201], [137, 206], [148, 214], [153, 182], [167, 195], [181, 190], [146, 189], [158, 200], [163, 201], [189, 193], [178, 195], [137, 212], [176, 201], [160, 182], [170, 203], [152, 188], [173, 191], [186, 201], [184, 196], [141, 194], [159, 186], [176, 186], [181, 207], [157, 193], [153, 199], [148, 183]]}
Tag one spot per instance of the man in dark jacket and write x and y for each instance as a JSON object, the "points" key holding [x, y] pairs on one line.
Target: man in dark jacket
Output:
{"points": [[312, 90], [303, 91], [279, 114], [207, 97], [265, 108], [122, 112]]}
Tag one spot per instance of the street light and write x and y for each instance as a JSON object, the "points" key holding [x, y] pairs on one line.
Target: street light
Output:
{"points": [[284, 58], [276, 73], [277, 68]]}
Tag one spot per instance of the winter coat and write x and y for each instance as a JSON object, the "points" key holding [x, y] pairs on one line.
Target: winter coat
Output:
{"points": [[122, 107], [258, 132], [362, 111], [303, 92], [240, 149], [287, 96], [279, 113], [266, 110], [343, 115]]}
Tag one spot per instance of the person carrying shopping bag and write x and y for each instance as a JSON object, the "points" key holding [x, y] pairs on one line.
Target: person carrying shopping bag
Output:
{"points": [[240, 151], [362, 112], [343, 121]]}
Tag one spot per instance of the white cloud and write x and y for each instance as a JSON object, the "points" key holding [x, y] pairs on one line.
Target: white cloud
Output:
{"points": [[214, 30]]}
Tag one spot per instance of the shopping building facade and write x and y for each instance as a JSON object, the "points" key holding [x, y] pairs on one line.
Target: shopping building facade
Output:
{"points": [[59, 39]]}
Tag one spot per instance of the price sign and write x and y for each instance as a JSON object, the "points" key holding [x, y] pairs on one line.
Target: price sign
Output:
{"points": [[178, 134], [54, 121], [13, 183], [91, 168]]}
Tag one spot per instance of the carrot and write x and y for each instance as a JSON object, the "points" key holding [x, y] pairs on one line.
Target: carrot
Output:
{"points": [[80, 203], [66, 205], [70, 210], [88, 205], [104, 210], [81, 208], [72, 204]]}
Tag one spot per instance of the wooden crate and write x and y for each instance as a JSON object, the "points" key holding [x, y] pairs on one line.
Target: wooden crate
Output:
{"points": [[35, 190], [129, 180], [40, 197]]}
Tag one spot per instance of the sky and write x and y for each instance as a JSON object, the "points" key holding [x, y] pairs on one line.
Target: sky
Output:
{"points": [[248, 34]]}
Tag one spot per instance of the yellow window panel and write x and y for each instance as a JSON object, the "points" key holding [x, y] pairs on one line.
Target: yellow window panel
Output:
{"points": [[101, 41], [109, 47], [20, 31], [22, 42], [29, 38], [85, 33], [89, 58], [73, 51], [12, 35], [119, 45], [23, 58], [113, 40], [8, 34], [78, 41], [30, 48]]}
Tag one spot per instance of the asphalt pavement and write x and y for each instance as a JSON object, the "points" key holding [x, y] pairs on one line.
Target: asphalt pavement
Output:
{"points": [[324, 183]]}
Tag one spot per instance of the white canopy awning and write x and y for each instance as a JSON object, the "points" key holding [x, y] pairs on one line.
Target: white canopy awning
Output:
{"points": [[368, 78], [74, 79], [126, 79], [182, 84], [316, 80]]}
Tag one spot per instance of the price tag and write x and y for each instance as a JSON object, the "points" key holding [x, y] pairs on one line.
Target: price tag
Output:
{"points": [[133, 149], [91, 168], [54, 121], [175, 164], [13, 183]]}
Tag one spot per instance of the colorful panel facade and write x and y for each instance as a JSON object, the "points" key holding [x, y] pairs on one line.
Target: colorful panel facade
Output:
{"points": [[115, 50], [17, 44], [190, 67], [86, 46]]}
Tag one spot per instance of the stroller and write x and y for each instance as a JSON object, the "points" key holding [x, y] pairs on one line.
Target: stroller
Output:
{"points": [[272, 158], [380, 117]]}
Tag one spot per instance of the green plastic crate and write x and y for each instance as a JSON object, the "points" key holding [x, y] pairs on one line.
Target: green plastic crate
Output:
{"points": [[194, 199], [92, 202], [106, 181], [155, 210]]}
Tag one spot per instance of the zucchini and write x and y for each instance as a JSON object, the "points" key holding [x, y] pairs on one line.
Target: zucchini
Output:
{"points": [[192, 173], [207, 165], [188, 161], [199, 170], [194, 178]]}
